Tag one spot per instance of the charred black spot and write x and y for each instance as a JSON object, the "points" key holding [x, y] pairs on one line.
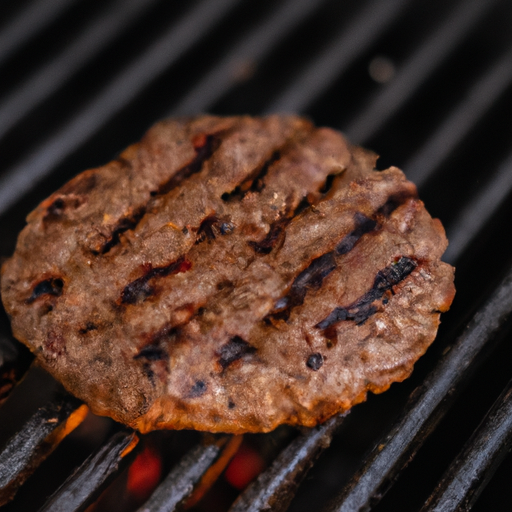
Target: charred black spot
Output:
{"points": [[185, 230], [205, 231], [394, 201], [226, 228], [303, 205], [234, 349], [198, 389], [152, 353], [55, 209], [52, 286], [231, 404], [328, 183], [363, 225], [364, 307], [315, 361], [89, 326], [140, 289]]}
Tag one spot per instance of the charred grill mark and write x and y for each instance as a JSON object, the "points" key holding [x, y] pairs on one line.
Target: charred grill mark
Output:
{"points": [[204, 146], [312, 277], [360, 310], [140, 289], [234, 349], [52, 286], [124, 224], [363, 225], [254, 182]]}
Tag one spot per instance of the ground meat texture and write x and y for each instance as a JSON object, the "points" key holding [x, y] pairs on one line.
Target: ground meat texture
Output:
{"points": [[231, 275]]}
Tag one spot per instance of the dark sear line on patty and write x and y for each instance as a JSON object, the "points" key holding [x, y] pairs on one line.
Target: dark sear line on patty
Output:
{"points": [[254, 182], [364, 307], [204, 147], [140, 289], [312, 277]]}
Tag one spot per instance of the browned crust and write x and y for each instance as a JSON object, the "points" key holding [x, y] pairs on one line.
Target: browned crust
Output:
{"points": [[230, 274]]}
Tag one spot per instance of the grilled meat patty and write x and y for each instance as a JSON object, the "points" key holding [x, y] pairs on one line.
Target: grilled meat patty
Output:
{"points": [[230, 274]]}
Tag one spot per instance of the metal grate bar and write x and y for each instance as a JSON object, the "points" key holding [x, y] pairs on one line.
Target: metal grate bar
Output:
{"points": [[87, 482], [74, 57], [479, 100], [349, 45], [275, 488], [34, 18], [263, 39], [179, 484], [474, 466], [176, 41], [478, 211], [427, 405], [35, 441], [415, 71]]}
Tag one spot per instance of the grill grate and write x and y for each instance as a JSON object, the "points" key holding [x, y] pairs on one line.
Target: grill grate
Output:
{"points": [[443, 115]]}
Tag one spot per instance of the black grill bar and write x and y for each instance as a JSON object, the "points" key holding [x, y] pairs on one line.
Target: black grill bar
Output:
{"points": [[180, 483], [477, 462], [427, 405], [478, 211], [180, 37], [87, 482], [479, 100], [28, 23], [14, 362], [40, 435], [275, 487], [418, 67], [47, 80], [350, 43], [262, 39], [474, 466]]}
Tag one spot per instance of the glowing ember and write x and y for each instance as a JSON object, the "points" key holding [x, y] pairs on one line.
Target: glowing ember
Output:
{"points": [[144, 474], [246, 465]]}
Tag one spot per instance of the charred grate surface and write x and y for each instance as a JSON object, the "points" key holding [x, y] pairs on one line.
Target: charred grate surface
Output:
{"points": [[439, 107]]}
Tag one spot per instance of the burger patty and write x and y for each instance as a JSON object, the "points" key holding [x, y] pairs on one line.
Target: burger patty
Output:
{"points": [[230, 274]]}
